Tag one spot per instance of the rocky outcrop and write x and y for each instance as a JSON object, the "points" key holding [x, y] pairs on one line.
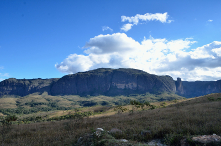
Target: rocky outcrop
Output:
{"points": [[179, 86], [197, 88], [111, 82], [23, 87], [106, 81], [103, 81]]}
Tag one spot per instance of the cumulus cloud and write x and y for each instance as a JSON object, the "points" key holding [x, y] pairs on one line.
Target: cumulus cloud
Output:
{"points": [[202, 63], [75, 63], [102, 51], [156, 56], [134, 20], [106, 28], [210, 20], [106, 44], [153, 55]]}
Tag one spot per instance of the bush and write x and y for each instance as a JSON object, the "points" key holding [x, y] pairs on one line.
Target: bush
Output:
{"points": [[211, 98], [173, 139]]}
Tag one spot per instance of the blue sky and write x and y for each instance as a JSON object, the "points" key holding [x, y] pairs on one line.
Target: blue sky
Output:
{"points": [[52, 38]]}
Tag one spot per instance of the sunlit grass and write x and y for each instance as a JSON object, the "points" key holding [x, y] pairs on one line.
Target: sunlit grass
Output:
{"points": [[198, 116]]}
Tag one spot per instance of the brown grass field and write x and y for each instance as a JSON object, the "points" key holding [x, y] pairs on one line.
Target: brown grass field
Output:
{"points": [[170, 122]]}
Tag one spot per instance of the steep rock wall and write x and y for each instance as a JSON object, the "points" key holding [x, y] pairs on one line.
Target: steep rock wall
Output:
{"points": [[112, 82], [197, 88], [23, 87]]}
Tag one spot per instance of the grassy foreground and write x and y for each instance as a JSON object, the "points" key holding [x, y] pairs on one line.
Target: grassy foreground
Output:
{"points": [[171, 123]]}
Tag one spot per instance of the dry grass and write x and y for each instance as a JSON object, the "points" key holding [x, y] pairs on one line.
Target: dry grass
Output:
{"points": [[198, 116], [7, 103]]}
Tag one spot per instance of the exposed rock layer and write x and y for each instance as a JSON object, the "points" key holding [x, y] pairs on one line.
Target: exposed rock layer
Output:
{"points": [[112, 82], [102, 81], [105, 81], [23, 87], [197, 88]]}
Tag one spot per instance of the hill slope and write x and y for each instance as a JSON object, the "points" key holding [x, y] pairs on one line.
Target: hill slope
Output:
{"points": [[173, 124]]}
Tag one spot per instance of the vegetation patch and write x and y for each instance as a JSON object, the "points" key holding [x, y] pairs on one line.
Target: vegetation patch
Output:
{"points": [[172, 122]]}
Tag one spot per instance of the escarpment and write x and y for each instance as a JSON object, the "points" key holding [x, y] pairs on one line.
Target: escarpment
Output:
{"points": [[197, 88], [110, 82], [23, 87], [103, 81]]}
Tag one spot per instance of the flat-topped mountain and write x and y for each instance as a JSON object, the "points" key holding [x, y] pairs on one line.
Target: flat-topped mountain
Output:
{"points": [[111, 82], [103, 81], [197, 88], [107, 81]]}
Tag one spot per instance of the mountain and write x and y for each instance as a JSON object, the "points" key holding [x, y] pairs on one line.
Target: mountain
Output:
{"points": [[23, 87], [197, 88], [107, 81], [103, 81], [110, 82]]}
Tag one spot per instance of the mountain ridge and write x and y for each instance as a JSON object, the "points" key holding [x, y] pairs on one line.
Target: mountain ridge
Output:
{"points": [[107, 81], [111, 82]]}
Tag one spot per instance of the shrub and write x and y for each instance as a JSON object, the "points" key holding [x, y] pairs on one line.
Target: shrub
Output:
{"points": [[211, 98], [173, 139]]}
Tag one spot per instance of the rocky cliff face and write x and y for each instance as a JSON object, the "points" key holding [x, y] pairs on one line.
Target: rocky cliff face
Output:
{"points": [[197, 88], [23, 87], [179, 86], [112, 82], [102, 81], [106, 81]]}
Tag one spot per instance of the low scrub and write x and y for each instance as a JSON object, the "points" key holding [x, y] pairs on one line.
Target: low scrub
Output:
{"points": [[171, 124]]}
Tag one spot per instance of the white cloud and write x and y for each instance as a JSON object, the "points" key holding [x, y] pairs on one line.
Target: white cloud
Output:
{"points": [[75, 63], [126, 27], [210, 20], [178, 45], [162, 17], [156, 56], [106, 44], [106, 28], [202, 63], [1, 67], [217, 51], [134, 20]]}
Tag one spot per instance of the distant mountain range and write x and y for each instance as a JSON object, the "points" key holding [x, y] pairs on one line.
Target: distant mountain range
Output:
{"points": [[111, 82]]}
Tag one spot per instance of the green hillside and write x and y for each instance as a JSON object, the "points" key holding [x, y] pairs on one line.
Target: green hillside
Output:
{"points": [[36, 102]]}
